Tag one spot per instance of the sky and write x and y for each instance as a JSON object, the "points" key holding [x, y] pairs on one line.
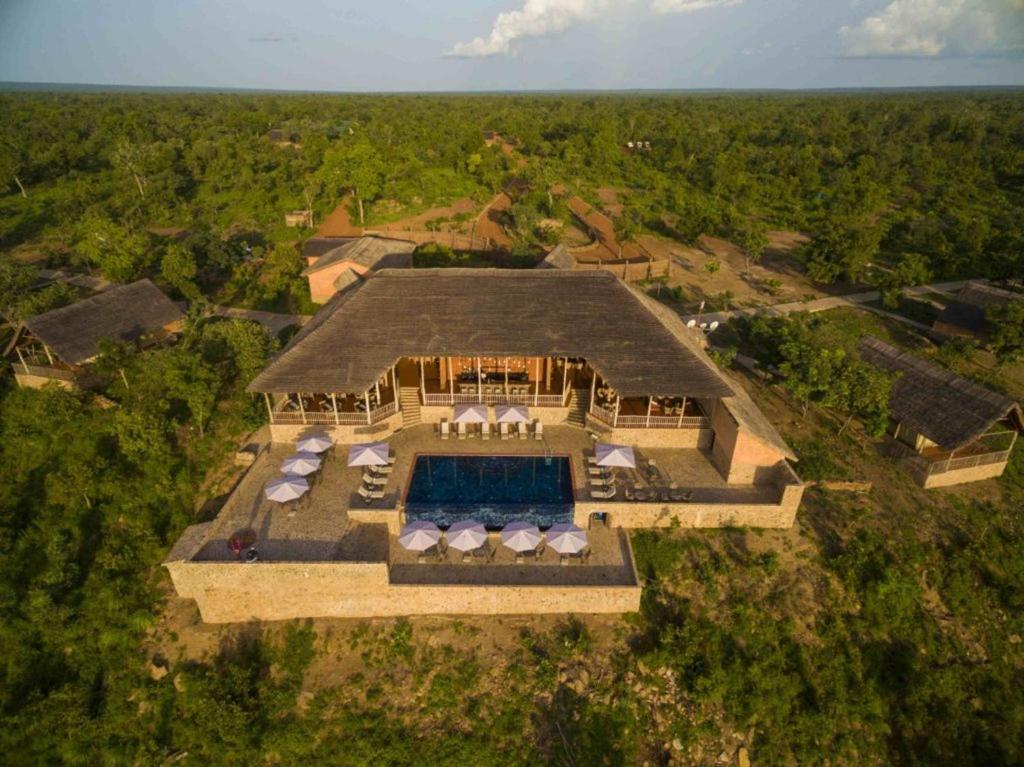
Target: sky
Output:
{"points": [[454, 45]]}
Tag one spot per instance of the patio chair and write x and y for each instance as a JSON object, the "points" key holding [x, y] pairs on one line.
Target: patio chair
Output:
{"points": [[485, 431], [460, 430], [598, 471], [370, 495], [524, 432], [445, 429], [374, 481], [381, 471], [603, 494], [538, 429], [391, 459], [503, 430], [592, 460]]}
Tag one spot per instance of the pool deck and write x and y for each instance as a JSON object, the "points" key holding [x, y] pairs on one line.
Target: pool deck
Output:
{"points": [[318, 528]]}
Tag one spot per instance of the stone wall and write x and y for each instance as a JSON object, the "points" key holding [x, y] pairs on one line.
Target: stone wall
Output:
{"points": [[229, 592], [393, 518], [656, 438]]}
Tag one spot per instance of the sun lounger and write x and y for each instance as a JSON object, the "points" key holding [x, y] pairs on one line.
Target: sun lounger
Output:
{"points": [[538, 429], [374, 481], [485, 431], [598, 471], [445, 429], [605, 494], [460, 429], [591, 460], [524, 432], [503, 430], [382, 470], [370, 495]]}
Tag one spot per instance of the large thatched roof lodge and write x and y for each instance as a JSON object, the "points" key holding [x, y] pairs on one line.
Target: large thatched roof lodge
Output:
{"points": [[967, 315], [57, 345], [955, 429], [551, 365]]}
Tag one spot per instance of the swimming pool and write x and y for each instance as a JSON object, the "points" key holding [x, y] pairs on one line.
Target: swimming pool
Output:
{"points": [[492, 489]]}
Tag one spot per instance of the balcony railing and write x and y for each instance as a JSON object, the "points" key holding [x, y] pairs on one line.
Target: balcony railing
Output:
{"points": [[319, 418], [966, 462], [45, 371], [650, 422], [536, 400]]}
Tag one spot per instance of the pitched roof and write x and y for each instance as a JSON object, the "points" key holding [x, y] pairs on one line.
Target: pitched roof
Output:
{"points": [[352, 341], [750, 419], [559, 258], [120, 313], [315, 247], [948, 409], [968, 310], [369, 252]]}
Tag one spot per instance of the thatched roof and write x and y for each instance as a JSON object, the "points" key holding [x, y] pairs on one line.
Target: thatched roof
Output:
{"points": [[360, 333], [368, 252], [120, 313], [967, 312], [750, 419], [948, 409], [559, 258]]}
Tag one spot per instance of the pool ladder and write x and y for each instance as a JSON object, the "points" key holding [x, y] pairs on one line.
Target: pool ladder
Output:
{"points": [[548, 455]]}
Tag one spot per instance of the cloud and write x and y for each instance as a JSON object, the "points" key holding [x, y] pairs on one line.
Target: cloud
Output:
{"points": [[931, 28], [539, 18], [689, 6]]}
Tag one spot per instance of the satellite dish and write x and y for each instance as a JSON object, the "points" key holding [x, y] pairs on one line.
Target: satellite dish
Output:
{"points": [[713, 326], [703, 326], [691, 323]]}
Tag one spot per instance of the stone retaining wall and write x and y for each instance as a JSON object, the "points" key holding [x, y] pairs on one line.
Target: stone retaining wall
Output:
{"points": [[959, 476]]}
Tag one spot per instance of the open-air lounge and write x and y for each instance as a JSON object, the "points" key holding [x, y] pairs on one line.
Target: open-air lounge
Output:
{"points": [[565, 403]]}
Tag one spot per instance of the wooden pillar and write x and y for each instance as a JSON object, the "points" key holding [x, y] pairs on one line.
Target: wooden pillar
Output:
{"points": [[506, 376], [451, 379], [547, 373], [618, 402], [536, 382], [442, 371], [23, 364], [302, 409], [334, 404], [369, 413], [650, 401], [479, 381], [423, 382], [48, 355], [376, 388], [593, 391], [270, 408], [682, 412], [394, 383]]}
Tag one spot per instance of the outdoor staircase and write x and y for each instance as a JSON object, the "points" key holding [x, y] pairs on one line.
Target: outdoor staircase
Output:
{"points": [[577, 408], [409, 401]]}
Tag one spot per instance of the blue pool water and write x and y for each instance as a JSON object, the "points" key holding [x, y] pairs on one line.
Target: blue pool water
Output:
{"points": [[493, 490]]}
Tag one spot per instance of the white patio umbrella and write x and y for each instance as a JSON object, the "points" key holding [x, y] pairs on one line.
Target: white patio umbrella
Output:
{"points": [[615, 455], [369, 454], [512, 413], [473, 413], [419, 535], [520, 536], [287, 488], [566, 538], [466, 535], [316, 443], [301, 464]]}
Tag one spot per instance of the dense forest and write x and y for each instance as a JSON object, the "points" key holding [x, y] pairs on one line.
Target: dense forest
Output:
{"points": [[886, 630]]}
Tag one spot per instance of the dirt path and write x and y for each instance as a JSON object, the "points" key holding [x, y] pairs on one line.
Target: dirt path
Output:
{"points": [[834, 302], [272, 321], [488, 224], [338, 222]]}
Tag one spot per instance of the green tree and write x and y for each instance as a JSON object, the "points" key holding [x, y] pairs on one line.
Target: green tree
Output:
{"points": [[178, 267], [910, 269], [120, 253], [843, 249], [1007, 339], [751, 237]]}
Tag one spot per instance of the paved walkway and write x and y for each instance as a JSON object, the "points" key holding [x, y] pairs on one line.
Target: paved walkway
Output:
{"points": [[272, 321], [833, 302]]}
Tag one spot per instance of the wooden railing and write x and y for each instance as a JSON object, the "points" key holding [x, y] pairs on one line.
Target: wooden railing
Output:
{"points": [[45, 371], [318, 418], [650, 422], [536, 400]]}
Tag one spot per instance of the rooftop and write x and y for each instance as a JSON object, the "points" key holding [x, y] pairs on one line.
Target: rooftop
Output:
{"points": [[947, 408], [369, 252], [973, 300], [120, 313], [359, 334]]}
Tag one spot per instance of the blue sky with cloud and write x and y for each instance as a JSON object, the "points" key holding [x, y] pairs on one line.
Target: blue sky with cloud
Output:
{"points": [[514, 44]]}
